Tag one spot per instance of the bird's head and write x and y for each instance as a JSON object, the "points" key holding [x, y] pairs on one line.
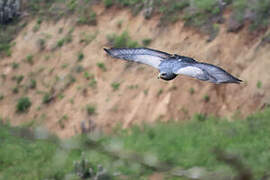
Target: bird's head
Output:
{"points": [[166, 76]]}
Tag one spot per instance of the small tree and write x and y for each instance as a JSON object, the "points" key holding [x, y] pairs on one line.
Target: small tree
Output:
{"points": [[23, 105]]}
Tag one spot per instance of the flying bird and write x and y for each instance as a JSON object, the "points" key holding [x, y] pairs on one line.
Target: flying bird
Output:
{"points": [[170, 65]]}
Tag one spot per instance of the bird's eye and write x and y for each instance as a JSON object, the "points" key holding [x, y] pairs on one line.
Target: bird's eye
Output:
{"points": [[163, 74]]}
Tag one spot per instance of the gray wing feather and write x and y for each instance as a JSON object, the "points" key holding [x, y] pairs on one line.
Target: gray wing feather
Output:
{"points": [[140, 55], [205, 72], [216, 74]]}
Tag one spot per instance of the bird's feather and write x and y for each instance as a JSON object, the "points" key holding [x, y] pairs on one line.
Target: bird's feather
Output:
{"points": [[217, 73], [140, 55], [191, 71], [205, 72]]}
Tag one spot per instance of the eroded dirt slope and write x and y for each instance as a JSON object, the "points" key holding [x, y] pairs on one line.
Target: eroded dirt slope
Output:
{"points": [[141, 97]]}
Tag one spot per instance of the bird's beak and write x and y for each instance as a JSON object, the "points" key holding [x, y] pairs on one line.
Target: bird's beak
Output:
{"points": [[158, 75]]}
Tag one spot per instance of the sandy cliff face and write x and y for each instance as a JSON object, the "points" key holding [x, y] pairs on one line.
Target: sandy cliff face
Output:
{"points": [[141, 97]]}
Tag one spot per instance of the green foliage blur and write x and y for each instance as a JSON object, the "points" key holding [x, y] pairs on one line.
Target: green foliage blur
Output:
{"points": [[35, 154]]}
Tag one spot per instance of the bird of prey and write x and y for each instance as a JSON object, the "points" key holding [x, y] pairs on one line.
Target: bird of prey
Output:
{"points": [[170, 65]]}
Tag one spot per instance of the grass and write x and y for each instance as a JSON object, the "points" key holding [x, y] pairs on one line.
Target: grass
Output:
{"points": [[87, 18], [39, 155], [87, 38], [192, 144]]}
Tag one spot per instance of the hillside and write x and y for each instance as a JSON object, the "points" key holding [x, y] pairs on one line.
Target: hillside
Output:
{"points": [[62, 68]]}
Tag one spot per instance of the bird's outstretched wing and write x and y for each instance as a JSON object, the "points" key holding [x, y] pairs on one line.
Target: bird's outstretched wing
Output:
{"points": [[205, 72], [140, 55]]}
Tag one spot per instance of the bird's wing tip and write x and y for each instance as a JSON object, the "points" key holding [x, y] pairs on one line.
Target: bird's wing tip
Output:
{"points": [[238, 81], [107, 51]]}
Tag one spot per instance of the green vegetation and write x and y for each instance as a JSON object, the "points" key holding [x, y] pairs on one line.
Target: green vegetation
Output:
{"points": [[15, 90], [15, 65], [2, 97], [102, 66], [191, 91], [47, 98], [206, 98], [65, 40], [29, 59], [32, 84], [204, 14], [87, 18], [146, 42], [7, 34], [115, 85], [88, 76], [23, 105], [41, 44], [93, 82], [91, 109], [192, 144], [80, 56], [259, 84], [122, 40], [37, 26], [87, 38], [60, 43], [19, 79], [136, 153], [62, 120], [160, 91], [108, 3]]}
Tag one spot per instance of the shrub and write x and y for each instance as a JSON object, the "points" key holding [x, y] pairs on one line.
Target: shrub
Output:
{"points": [[1, 97], [29, 59], [47, 98], [108, 3], [122, 40], [91, 109], [146, 42], [41, 44], [15, 90], [115, 86], [60, 43], [88, 18], [19, 79], [206, 98], [33, 84], [23, 105], [93, 83], [259, 84], [15, 65], [102, 66], [191, 91], [80, 56], [88, 76]]}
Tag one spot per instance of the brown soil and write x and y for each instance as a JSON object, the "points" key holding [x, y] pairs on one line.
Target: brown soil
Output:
{"points": [[141, 97]]}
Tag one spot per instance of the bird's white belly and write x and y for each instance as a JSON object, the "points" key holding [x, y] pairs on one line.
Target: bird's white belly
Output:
{"points": [[190, 71]]}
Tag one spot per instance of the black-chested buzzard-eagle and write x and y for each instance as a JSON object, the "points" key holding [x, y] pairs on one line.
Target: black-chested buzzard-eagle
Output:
{"points": [[170, 65]]}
